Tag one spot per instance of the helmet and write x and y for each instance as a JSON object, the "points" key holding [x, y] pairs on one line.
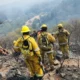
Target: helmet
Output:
{"points": [[25, 29], [44, 26], [60, 26], [14, 42]]}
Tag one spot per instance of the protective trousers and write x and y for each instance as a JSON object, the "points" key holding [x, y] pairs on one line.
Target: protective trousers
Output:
{"points": [[65, 50], [50, 57], [35, 68]]}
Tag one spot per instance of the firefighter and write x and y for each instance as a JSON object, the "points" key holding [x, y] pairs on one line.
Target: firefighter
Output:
{"points": [[31, 52], [62, 36], [45, 41], [34, 34]]}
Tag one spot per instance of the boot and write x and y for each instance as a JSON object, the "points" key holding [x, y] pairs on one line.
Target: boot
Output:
{"points": [[66, 56], [31, 78], [37, 78]]}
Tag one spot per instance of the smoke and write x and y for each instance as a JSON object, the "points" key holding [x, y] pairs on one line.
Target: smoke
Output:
{"points": [[11, 9]]}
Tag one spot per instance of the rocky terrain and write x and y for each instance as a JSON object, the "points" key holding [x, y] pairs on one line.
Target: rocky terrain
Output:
{"points": [[69, 71], [9, 62]]}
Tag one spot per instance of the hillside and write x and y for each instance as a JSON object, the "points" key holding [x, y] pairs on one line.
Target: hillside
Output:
{"points": [[16, 14], [68, 9], [64, 11], [49, 12]]}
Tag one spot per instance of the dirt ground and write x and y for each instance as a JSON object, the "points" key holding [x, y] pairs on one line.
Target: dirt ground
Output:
{"points": [[69, 71]]}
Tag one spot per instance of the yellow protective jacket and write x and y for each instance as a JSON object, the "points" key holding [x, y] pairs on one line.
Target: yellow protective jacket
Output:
{"points": [[62, 36], [33, 51]]}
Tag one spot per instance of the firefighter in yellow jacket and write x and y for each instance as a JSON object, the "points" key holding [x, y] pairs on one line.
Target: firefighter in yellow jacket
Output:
{"points": [[62, 36], [31, 52], [45, 41]]}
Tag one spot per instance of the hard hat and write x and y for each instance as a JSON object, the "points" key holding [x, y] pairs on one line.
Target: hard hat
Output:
{"points": [[44, 26], [14, 42], [25, 29], [60, 26]]}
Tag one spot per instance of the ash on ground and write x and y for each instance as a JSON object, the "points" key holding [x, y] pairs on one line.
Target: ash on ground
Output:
{"points": [[8, 63], [70, 73]]}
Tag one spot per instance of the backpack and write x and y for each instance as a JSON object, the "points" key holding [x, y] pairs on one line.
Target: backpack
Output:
{"points": [[25, 43], [45, 43], [27, 49], [44, 40]]}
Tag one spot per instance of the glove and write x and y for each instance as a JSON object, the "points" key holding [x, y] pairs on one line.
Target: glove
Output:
{"points": [[40, 61], [41, 64], [16, 54]]}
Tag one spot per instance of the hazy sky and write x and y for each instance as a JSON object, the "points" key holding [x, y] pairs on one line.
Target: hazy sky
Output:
{"points": [[3, 2]]}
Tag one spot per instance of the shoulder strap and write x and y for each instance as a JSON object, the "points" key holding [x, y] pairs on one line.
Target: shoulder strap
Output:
{"points": [[31, 44], [46, 38], [27, 38], [26, 42]]}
